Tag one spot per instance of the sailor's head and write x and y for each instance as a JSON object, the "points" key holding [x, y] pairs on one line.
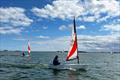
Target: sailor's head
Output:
{"points": [[56, 56]]}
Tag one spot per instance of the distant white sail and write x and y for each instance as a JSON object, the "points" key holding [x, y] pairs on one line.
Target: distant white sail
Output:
{"points": [[29, 49]]}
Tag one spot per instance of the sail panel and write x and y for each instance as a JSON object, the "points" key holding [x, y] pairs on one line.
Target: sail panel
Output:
{"points": [[74, 56], [73, 50]]}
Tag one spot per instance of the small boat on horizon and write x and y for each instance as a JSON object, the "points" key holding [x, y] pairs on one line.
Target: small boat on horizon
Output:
{"points": [[29, 50]]}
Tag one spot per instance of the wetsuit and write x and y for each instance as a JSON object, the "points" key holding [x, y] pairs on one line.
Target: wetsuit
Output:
{"points": [[55, 61], [23, 54]]}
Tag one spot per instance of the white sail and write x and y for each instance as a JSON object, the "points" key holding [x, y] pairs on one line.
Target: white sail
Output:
{"points": [[29, 49]]}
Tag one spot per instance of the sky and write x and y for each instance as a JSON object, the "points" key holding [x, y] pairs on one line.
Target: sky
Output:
{"points": [[47, 24]]}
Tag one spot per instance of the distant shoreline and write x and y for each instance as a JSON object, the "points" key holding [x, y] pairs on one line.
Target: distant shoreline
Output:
{"points": [[59, 51]]}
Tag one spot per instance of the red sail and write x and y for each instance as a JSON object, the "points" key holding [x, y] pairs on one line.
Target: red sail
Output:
{"points": [[72, 54]]}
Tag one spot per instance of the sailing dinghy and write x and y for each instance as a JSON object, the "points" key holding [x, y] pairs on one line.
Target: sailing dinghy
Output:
{"points": [[72, 54]]}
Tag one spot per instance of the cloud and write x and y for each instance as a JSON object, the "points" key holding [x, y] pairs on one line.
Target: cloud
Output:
{"points": [[96, 8], [60, 9], [112, 27], [85, 43], [43, 37], [89, 18], [45, 27], [62, 27], [81, 27], [20, 39], [9, 30], [15, 18], [85, 10], [69, 27]]}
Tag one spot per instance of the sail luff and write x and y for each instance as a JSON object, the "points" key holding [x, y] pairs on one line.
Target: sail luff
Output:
{"points": [[76, 40]]}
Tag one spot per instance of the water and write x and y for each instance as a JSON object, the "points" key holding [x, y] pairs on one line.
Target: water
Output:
{"points": [[102, 66]]}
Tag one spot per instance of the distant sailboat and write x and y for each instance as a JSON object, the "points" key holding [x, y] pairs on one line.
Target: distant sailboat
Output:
{"points": [[23, 52]]}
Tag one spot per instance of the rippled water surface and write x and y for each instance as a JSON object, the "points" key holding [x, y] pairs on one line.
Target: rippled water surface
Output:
{"points": [[102, 66]]}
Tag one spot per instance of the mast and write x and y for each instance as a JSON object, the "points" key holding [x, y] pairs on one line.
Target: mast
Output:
{"points": [[76, 39]]}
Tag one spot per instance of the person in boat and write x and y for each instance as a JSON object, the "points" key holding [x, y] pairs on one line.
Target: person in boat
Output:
{"points": [[56, 61], [23, 54]]}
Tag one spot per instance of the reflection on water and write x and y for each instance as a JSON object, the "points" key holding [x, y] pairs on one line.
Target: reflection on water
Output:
{"points": [[71, 75], [56, 72]]}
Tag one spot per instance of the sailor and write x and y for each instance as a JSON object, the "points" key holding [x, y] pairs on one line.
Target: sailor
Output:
{"points": [[23, 54], [55, 61]]}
